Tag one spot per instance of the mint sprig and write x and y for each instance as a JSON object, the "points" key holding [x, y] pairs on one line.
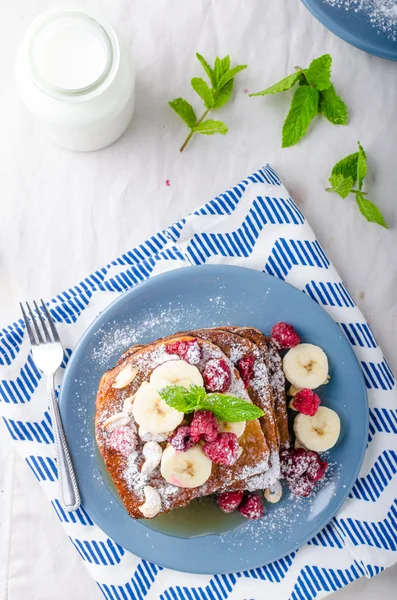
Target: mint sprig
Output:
{"points": [[221, 78], [225, 407], [315, 94], [346, 173]]}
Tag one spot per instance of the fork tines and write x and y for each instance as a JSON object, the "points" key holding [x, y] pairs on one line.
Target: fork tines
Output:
{"points": [[39, 334]]}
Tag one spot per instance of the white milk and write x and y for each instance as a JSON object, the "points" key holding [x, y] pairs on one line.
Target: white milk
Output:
{"points": [[76, 77]]}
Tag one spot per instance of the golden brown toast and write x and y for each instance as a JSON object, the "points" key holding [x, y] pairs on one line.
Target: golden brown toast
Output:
{"points": [[273, 400], [273, 361], [125, 472], [237, 347]]}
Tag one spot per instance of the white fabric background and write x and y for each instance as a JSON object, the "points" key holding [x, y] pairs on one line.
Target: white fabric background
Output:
{"points": [[62, 215]]}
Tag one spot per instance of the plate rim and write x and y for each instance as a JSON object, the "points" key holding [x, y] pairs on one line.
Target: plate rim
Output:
{"points": [[221, 268], [344, 34]]}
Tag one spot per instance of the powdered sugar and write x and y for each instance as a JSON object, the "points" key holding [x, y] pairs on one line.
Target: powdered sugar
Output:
{"points": [[271, 475], [276, 372], [382, 14]]}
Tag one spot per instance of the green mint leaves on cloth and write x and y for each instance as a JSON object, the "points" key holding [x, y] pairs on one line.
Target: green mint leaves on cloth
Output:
{"points": [[315, 95], [346, 173], [221, 77]]}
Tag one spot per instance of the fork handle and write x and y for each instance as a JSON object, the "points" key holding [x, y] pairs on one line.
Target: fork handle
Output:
{"points": [[68, 490]]}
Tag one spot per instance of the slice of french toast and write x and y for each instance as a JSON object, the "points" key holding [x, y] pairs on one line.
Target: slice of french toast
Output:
{"points": [[125, 455]]}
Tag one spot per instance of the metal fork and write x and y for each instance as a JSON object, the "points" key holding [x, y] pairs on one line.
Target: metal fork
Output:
{"points": [[47, 354]]}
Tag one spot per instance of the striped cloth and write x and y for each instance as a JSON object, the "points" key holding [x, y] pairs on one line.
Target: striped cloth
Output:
{"points": [[255, 224]]}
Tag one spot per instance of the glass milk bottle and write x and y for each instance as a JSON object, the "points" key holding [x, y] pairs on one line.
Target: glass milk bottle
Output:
{"points": [[76, 76]]}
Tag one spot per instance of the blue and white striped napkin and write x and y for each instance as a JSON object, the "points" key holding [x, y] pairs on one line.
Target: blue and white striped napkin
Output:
{"points": [[254, 224]]}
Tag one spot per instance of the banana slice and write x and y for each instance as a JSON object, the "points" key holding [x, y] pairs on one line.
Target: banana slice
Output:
{"points": [[306, 366], [293, 391], [125, 377], [152, 504], [188, 469], [320, 432], [175, 372], [152, 413], [238, 428], [128, 402]]}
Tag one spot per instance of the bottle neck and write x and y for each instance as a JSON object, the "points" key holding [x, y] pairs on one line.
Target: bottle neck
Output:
{"points": [[69, 53]]}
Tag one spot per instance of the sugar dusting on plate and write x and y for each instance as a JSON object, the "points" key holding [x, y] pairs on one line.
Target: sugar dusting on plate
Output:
{"points": [[382, 14]]}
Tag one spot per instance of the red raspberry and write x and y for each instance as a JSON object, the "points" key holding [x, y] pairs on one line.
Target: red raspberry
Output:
{"points": [[245, 367], [123, 440], [224, 451], [317, 467], [302, 486], [229, 501], [181, 439], [284, 335], [189, 351], [293, 463], [204, 426], [251, 507], [217, 376], [306, 402], [302, 469]]}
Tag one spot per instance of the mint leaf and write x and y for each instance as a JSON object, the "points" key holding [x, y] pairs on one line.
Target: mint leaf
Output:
{"points": [[197, 393], [303, 109], [210, 127], [361, 165], [231, 409], [341, 185], [202, 89], [319, 72], [302, 78], [282, 86], [207, 69], [223, 95], [218, 70], [225, 64], [180, 398], [221, 78], [184, 110], [226, 408], [332, 107], [347, 167], [230, 74], [370, 211]]}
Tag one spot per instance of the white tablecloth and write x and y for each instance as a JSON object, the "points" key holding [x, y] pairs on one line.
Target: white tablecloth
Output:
{"points": [[50, 198]]}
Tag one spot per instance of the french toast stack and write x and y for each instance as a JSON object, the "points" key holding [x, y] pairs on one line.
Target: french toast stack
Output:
{"points": [[160, 458]]}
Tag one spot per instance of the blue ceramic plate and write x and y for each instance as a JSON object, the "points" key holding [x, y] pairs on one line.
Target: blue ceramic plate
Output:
{"points": [[358, 27], [205, 296]]}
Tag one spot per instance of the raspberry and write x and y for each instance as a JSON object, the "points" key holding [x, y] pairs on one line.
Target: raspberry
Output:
{"points": [[293, 464], [251, 507], [229, 501], [302, 487], [284, 335], [204, 426], [306, 402], [123, 440], [189, 351], [302, 469], [217, 376], [317, 467], [245, 367], [181, 439], [225, 449]]}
